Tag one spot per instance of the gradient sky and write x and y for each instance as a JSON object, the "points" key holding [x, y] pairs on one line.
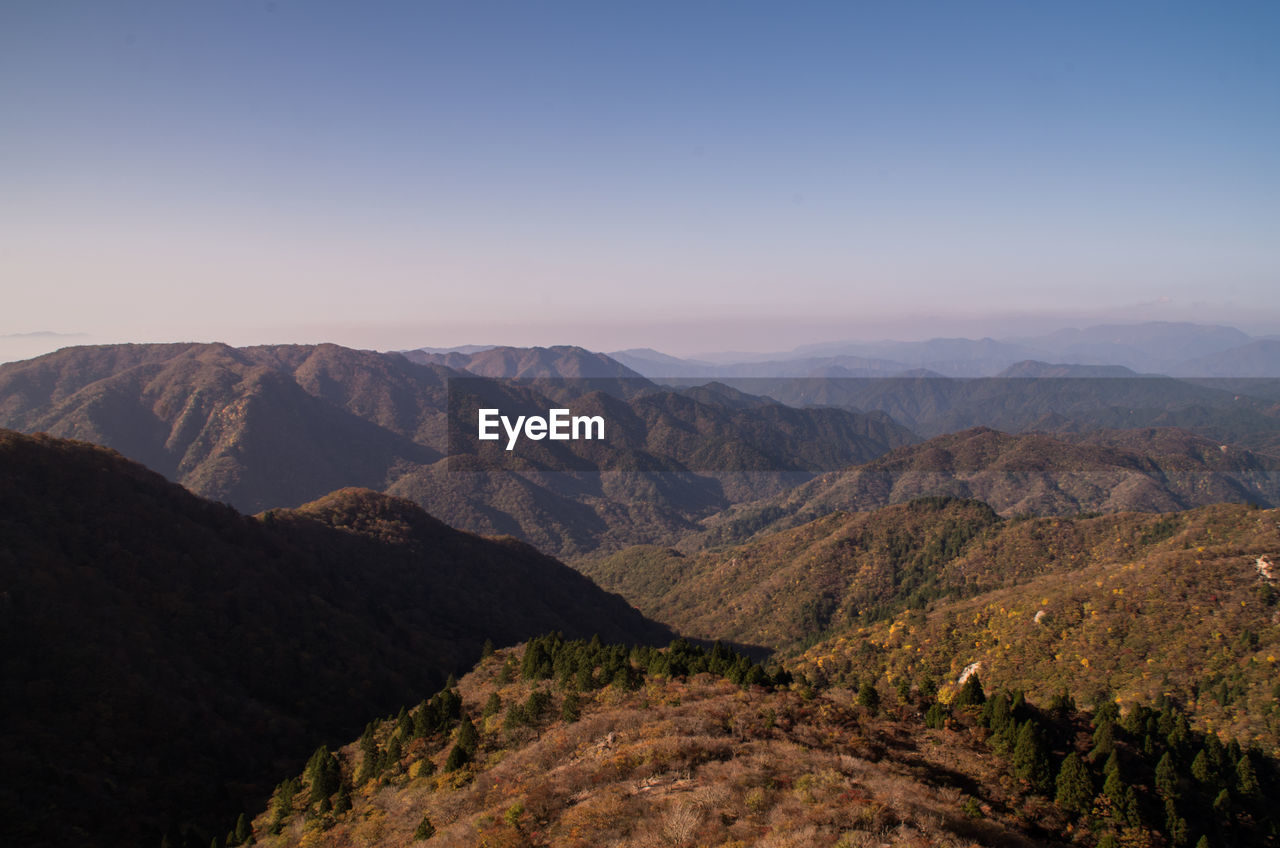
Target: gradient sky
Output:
{"points": [[688, 176]]}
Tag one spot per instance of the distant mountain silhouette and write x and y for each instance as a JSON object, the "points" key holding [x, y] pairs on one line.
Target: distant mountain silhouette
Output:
{"points": [[529, 362]]}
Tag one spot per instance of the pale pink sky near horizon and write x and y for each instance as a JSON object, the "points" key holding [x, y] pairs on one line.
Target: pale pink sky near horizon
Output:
{"points": [[687, 177]]}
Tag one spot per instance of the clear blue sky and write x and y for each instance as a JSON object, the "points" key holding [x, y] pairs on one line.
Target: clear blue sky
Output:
{"points": [[684, 175]]}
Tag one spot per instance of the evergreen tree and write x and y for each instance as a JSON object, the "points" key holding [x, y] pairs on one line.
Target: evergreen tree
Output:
{"points": [[467, 738], [936, 716], [243, 834], [1167, 777], [343, 802], [391, 758], [571, 709], [492, 706], [1104, 740], [1075, 787], [971, 694], [1202, 769], [869, 696], [486, 650], [1031, 757], [1246, 777], [324, 773], [424, 830]]}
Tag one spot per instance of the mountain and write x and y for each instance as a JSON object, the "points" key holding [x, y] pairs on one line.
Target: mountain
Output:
{"points": [[683, 749], [1153, 470], [1161, 347], [1257, 359], [277, 426], [1137, 596], [168, 658], [653, 363], [1030, 399], [524, 363], [1031, 369], [1153, 346], [257, 427], [1183, 608]]}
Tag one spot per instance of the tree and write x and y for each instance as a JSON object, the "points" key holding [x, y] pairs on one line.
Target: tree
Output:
{"points": [[1075, 788], [1167, 776], [571, 709], [1031, 757], [971, 694], [457, 758], [869, 696], [467, 738], [936, 716], [1246, 777], [323, 773], [424, 830], [1104, 740], [243, 832], [1201, 769]]}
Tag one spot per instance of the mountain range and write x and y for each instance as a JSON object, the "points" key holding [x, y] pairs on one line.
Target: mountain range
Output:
{"points": [[1173, 348], [278, 426], [1078, 530]]}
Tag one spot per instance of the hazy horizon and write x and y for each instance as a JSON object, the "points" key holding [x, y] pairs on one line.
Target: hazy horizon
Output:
{"points": [[687, 178]]}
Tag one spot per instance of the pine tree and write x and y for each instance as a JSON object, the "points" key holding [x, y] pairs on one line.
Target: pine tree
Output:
{"points": [[243, 833], [1075, 788], [1246, 777], [1167, 777], [1104, 740], [936, 716], [486, 650], [424, 830], [467, 738], [971, 694], [869, 697], [1031, 757], [571, 709], [343, 802], [1202, 769]]}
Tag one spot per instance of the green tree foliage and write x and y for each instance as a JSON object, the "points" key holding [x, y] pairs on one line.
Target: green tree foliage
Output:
{"points": [[869, 696], [1074, 786], [936, 716], [1031, 757], [571, 709], [1246, 778], [424, 830], [1104, 740], [243, 832], [971, 693], [467, 737], [323, 773], [1167, 777]]}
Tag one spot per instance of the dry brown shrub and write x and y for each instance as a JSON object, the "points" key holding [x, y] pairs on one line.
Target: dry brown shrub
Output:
{"points": [[680, 824]]}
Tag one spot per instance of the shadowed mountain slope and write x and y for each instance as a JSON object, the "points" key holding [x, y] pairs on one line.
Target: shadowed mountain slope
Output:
{"points": [[168, 658]]}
